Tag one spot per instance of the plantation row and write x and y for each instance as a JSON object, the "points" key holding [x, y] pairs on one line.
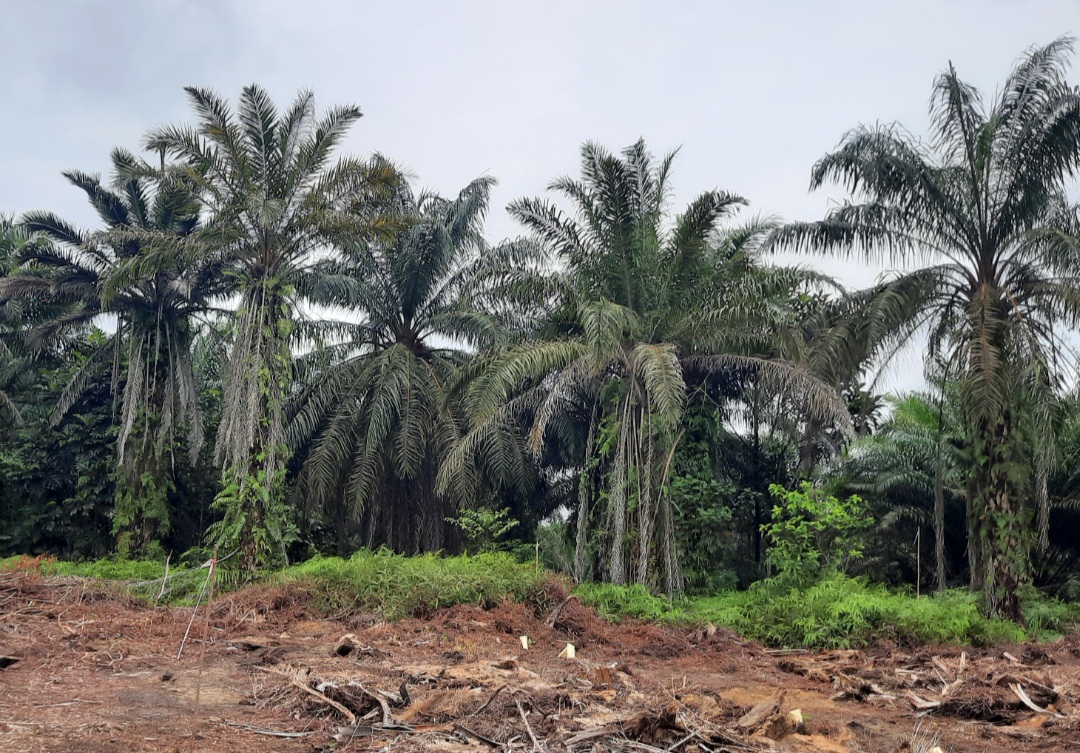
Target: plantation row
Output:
{"points": [[280, 351]]}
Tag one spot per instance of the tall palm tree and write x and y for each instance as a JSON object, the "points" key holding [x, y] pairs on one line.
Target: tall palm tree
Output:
{"points": [[636, 313], [130, 273], [273, 198], [378, 415], [983, 206]]}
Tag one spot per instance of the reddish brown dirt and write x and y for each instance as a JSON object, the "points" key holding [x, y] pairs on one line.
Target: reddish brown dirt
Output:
{"points": [[97, 672]]}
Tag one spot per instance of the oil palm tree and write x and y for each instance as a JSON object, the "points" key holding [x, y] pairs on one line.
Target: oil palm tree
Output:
{"points": [[129, 273], [378, 413], [273, 197], [637, 312], [918, 456], [982, 206], [15, 315]]}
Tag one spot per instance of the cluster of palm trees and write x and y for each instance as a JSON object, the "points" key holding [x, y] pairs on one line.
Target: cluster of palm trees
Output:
{"points": [[364, 360]]}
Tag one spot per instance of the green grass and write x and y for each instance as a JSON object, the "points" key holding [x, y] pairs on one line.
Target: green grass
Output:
{"points": [[138, 578], [839, 612], [104, 569], [392, 585], [613, 603], [397, 586]]}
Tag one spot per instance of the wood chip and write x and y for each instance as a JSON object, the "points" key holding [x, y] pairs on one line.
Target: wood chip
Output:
{"points": [[921, 704], [602, 676], [756, 716]]}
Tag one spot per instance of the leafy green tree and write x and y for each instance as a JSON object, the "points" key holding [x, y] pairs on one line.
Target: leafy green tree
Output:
{"points": [[273, 198], [129, 273], [983, 205], [482, 528], [636, 308], [813, 532], [377, 413]]}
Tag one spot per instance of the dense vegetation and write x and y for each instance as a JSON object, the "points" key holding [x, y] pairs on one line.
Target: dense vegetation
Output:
{"points": [[283, 352]]}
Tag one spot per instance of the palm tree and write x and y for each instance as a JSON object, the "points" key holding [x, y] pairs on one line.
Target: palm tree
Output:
{"points": [[129, 273], [378, 414], [15, 316], [273, 199], [916, 457], [636, 313], [983, 205]]}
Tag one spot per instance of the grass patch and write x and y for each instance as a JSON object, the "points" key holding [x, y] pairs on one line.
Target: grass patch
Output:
{"points": [[839, 612], [398, 586], [836, 612], [141, 579], [103, 569], [392, 585], [613, 603]]}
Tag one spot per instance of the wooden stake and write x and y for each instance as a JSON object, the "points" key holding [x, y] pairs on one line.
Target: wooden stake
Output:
{"points": [[918, 562]]}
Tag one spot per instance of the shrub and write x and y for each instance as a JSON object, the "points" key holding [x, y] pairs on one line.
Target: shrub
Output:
{"points": [[483, 528], [812, 533]]}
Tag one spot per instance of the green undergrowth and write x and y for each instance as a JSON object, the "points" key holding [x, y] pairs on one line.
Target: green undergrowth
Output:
{"points": [[104, 569], [398, 586], [392, 585], [142, 579], [835, 612], [838, 612]]}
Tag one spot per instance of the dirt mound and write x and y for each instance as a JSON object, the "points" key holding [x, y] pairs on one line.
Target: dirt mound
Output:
{"points": [[85, 668]]}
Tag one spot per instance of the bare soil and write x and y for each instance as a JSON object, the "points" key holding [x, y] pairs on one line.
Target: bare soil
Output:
{"points": [[83, 669]]}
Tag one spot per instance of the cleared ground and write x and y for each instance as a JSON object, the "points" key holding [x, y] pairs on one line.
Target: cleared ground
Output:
{"points": [[88, 670]]}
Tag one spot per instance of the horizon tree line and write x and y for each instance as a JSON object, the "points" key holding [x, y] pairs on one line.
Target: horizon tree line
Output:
{"points": [[305, 352]]}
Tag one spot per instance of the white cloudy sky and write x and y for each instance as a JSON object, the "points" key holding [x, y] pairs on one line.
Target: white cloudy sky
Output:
{"points": [[753, 92]]}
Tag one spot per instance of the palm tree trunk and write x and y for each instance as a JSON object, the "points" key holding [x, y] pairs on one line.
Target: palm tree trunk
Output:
{"points": [[939, 520], [617, 503], [1001, 524], [673, 573], [809, 453], [1004, 561], [581, 539], [976, 571], [251, 438], [758, 479], [646, 504], [1042, 493]]}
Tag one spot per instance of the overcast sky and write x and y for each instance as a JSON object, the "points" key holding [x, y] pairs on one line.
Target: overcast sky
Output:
{"points": [[752, 92]]}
